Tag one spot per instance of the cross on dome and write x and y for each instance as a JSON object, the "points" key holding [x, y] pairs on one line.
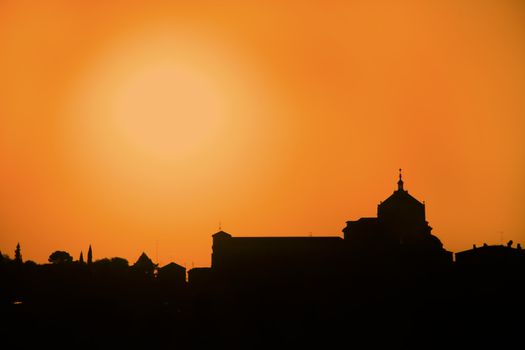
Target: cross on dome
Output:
{"points": [[400, 182]]}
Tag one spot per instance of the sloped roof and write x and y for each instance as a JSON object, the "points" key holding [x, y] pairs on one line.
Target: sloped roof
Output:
{"points": [[221, 234], [400, 196], [172, 267], [144, 260], [364, 220]]}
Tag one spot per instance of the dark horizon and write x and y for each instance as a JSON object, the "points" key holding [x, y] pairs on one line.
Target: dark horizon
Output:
{"points": [[387, 281], [256, 295]]}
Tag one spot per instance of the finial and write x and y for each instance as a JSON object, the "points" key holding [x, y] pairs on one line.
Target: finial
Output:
{"points": [[220, 226], [400, 182]]}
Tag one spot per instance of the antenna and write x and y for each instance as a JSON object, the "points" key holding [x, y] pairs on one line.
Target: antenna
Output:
{"points": [[157, 250]]}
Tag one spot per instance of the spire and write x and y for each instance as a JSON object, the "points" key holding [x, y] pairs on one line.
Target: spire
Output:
{"points": [[400, 182]]}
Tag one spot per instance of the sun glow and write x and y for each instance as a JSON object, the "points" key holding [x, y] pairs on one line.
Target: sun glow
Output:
{"points": [[159, 95], [162, 101], [164, 110]]}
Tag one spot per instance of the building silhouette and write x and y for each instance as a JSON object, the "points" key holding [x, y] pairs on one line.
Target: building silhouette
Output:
{"points": [[286, 252], [172, 273], [493, 256], [399, 234], [400, 226], [144, 266]]}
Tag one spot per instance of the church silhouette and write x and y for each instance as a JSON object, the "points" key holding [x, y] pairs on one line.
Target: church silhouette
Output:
{"points": [[400, 224], [399, 234]]}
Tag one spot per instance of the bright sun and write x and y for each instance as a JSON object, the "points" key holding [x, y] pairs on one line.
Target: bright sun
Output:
{"points": [[166, 109], [162, 94], [152, 113]]}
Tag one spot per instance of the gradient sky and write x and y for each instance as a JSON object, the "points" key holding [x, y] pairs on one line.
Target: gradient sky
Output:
{"points": [[131, 125]]}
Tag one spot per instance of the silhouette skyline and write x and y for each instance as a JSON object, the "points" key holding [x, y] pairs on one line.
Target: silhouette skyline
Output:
{"points": [[401, 220], [387, 282], [401, 214], [129, 130]]}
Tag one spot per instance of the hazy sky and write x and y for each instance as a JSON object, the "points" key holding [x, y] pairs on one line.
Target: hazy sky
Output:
{"points": [[129, 125]]}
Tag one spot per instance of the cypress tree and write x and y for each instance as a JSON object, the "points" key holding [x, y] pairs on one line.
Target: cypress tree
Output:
{"points": [[90, 256], [18, 254], [81, 259]]}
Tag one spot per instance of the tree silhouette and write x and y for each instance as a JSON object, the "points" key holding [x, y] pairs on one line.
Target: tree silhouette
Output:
{"points": [[114, 264], [30, 263], [90, 256], [18, 254], [81, 258], [119, 263], [60, 257]]}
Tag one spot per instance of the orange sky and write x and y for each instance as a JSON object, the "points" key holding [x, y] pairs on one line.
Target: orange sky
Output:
{"points": [[130, 123]]}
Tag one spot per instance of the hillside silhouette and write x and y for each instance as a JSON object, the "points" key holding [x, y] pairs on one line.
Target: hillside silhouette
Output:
{"points": [[387, 281]]}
